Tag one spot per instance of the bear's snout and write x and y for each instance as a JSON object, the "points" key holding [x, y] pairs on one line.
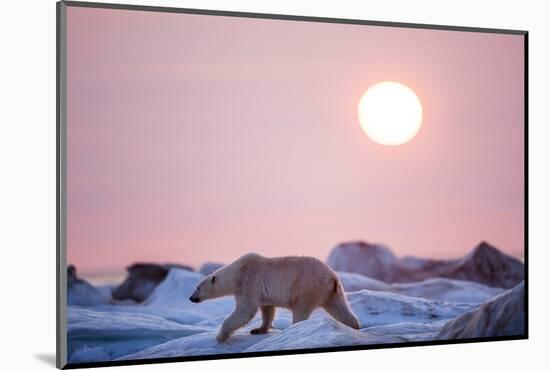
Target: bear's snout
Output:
{"points": [[194, 299]]}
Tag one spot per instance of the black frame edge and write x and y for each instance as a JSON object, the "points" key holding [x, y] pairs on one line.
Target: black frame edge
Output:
{"points": [[526, 177]]}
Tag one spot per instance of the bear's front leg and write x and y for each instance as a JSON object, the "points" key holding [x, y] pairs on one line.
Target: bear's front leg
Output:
{"points": [[268, 314], [222, 336], [243, 313]]}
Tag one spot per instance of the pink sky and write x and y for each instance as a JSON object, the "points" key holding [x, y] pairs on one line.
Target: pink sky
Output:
{"points": [[200, 138]]}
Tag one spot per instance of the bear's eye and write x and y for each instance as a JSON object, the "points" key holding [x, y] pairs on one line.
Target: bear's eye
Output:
{"points": [[213, 279]]}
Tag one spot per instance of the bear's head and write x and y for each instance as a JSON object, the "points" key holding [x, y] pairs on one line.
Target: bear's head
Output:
{"points": [[211, 287]]}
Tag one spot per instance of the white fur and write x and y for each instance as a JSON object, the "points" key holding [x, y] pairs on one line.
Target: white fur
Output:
{"points": [[300, 284]]}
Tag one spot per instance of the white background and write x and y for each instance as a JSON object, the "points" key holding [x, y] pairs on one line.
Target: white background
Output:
{"points": [[27, 185]]}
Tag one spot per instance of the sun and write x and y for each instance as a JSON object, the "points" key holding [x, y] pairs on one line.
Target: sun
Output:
{"points": [[390, 113]]}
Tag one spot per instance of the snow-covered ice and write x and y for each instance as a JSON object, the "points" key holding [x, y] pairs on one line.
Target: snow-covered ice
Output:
{"points": [[447, 290], [383, 308], [302, 335], [353, 282], [96, 335], [438, 289], [85, 294], [167, 324]]}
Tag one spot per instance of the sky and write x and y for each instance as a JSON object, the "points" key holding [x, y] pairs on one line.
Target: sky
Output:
{"points": [[197, 138]]}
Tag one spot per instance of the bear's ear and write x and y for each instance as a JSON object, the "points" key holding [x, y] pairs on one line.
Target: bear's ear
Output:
{"points": [[213, 279]]}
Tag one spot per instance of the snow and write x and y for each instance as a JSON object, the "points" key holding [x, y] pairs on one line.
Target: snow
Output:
{"points": [[437, 289], [301, 335], [96, 335], [171, 300], [89, 354], [447, 290], [112, 330], [200, 344], [353, 282], [167, 324], [85, 294], [409, 331], [305, 334], [85, 322], [384, 308]]}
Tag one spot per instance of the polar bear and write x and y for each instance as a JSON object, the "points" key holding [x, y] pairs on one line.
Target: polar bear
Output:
{"points": [[300, 284]]}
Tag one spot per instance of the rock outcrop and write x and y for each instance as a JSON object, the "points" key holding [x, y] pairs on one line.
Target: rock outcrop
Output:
{"points": [[503, 315], [485, 264], [142, 279], [371, 260]]}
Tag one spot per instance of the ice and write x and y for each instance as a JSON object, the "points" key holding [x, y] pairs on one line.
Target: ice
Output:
{"points": [[301, 335], [502, 315], [85, 294], [200, 344], [167, 324], [353, 282], [87, 322], [171, 300], [305, 334], [96, 335], [383, 308], [447, 290], [408, 331], [90, 354], [438, 289], [385, 318]]}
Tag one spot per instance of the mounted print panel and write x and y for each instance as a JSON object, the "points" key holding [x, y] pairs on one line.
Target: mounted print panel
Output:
{"points": [[235, 185]]}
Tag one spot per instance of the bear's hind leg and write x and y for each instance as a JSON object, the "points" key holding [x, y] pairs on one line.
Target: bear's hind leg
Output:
{"points": [[300, 314], [243, 313], [268, 314], [338, 308]]}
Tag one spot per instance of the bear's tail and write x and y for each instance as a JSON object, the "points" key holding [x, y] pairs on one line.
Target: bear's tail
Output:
{"points": [[336, 288]]}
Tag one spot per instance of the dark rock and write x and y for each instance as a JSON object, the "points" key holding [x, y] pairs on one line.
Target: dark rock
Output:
{"points": [[142, 279], [503, 315], [72, 278], [485, 264], [371, 260]]}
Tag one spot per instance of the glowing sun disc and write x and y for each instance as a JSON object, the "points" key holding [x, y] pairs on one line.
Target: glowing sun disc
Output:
{"points": [[390, 113]]}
